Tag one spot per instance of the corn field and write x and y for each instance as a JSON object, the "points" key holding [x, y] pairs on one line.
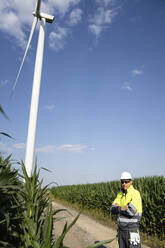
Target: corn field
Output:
{"points": [[100, 196]]}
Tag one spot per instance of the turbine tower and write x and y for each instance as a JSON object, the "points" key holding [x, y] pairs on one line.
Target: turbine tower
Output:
{"points": [[36, 82]]}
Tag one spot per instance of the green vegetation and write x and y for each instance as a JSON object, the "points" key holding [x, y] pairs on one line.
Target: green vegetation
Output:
{"points": [[10, 216], [26, 214], [98, 197]]}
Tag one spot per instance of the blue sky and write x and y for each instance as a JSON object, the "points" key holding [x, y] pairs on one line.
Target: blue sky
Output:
{"points": [[101, 108]]}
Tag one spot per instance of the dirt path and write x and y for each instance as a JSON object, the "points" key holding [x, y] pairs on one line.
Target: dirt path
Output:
{"points": [[85, 232]]}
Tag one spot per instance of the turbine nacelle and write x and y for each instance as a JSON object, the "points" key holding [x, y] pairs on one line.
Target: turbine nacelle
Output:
{"points": [[48, 18]]}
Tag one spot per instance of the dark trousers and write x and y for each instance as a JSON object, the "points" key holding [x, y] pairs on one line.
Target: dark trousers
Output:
{"points": [[124, 240]]}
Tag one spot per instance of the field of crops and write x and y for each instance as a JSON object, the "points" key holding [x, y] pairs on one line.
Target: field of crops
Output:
{"points": [[100, 196]]}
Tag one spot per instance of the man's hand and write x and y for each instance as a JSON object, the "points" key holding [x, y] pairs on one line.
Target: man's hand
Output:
{"points": [[124, 208], [116, 204]]}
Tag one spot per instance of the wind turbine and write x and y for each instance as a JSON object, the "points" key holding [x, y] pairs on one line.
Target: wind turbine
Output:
{"points": [[36, 82]]}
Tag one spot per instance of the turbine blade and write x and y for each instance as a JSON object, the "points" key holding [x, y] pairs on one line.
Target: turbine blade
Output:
{"points": [[27, 47], [37, 12]]}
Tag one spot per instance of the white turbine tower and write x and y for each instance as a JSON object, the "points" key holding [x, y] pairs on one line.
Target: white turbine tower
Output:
{"points": [[36, 82]]}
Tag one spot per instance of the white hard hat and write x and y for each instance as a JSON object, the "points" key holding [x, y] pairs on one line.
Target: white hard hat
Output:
{"points": [[125, 175]]}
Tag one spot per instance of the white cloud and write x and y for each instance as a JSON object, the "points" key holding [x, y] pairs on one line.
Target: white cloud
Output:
{"points": [[137, 72], [127, 86], [78, 148], [62, 6], [14, 16], [75, 16], [57, 38], [103, 16], [101, 19], [50, 107], [13, 27], [20, 146], [47, 149], [95, 29], [72, 148]]}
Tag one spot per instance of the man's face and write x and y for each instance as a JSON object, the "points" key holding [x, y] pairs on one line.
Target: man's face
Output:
{"points": [[126, 183]]}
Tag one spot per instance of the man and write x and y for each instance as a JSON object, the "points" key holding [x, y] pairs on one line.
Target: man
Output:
{"points": [[128, 206]]}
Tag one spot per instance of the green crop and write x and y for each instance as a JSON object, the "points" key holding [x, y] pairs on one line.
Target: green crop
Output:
{"points": [[99, 197]]}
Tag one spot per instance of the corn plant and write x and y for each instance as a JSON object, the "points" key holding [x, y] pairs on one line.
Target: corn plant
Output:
{"points": [[37, 223], [10, 212], [38, 215]]}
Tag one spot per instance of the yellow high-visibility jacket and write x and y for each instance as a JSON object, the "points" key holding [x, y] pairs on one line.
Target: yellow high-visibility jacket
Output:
{"points": [[130, 218]]}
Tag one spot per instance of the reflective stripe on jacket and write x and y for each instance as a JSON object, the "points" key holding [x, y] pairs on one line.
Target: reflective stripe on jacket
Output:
{"points": [[129, 219]]}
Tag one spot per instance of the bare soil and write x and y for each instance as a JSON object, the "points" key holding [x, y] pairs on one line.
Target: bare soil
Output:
{"points": [[85, 232]]}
